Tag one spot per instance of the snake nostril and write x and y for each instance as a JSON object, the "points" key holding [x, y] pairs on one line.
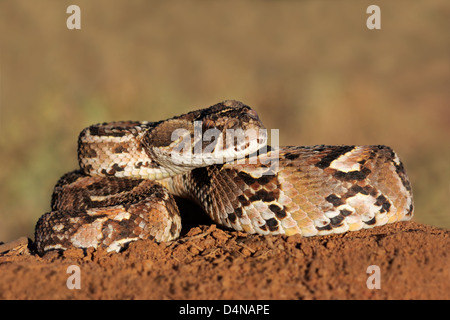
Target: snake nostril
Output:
{"points": [[253, 114]]}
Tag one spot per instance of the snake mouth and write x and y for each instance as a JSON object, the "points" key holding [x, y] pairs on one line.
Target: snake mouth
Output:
{"points": [[212, 146], [222, 133]]}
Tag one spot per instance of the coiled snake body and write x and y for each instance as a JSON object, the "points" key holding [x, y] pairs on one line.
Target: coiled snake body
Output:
{"points": [[130, 173]]}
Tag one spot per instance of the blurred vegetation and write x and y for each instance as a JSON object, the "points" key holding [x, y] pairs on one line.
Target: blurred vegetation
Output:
{"points": [[310, 68]]}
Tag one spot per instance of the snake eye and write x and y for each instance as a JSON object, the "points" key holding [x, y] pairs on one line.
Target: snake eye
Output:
{"points": [[208, 124], [232, 124]]}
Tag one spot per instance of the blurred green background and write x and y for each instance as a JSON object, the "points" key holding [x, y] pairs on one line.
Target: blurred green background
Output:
{"points": [[309, 68]]}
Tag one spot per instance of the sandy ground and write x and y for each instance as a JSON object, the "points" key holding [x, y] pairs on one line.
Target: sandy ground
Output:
{"points": [[211, 263]]}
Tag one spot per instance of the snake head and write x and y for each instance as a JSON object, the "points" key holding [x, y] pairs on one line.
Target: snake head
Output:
{"points": [[224, 132]]}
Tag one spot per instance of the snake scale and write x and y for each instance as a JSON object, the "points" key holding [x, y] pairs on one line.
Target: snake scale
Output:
{"points": [[130, 173]]}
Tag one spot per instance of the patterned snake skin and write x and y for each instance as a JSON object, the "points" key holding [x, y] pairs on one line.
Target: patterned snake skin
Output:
{"points": [[124, 190]]}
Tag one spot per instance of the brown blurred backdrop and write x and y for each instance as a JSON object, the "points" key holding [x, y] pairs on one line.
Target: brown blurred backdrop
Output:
{"points": [[310, 68]]}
